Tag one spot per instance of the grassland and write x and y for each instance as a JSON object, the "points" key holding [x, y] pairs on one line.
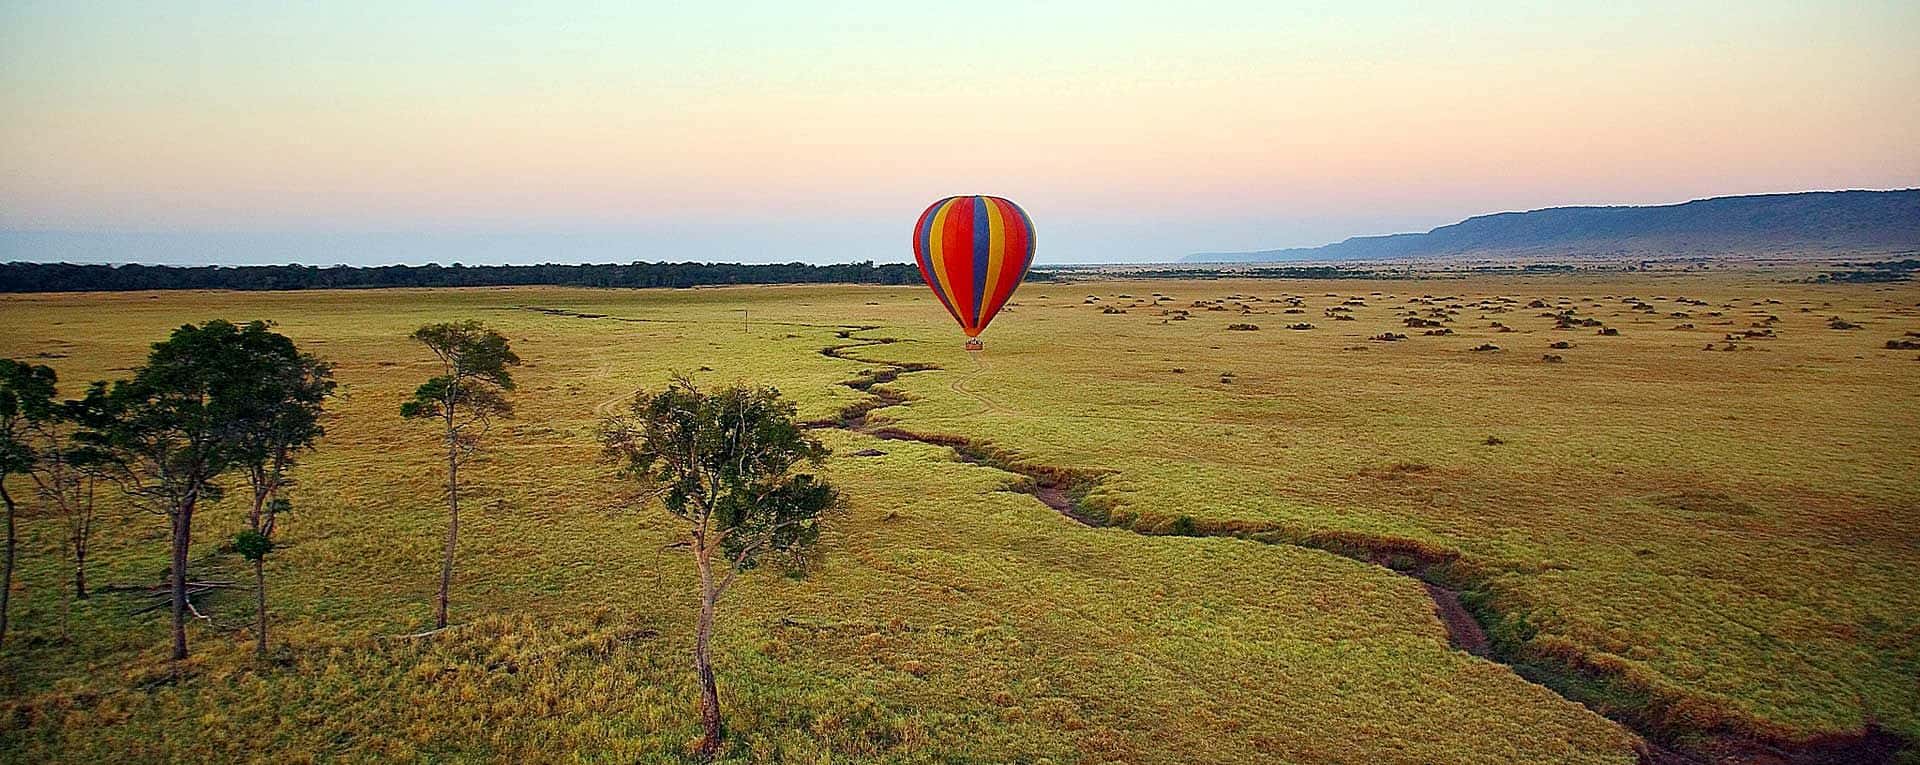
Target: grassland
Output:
{"points": [[1712, 540]]}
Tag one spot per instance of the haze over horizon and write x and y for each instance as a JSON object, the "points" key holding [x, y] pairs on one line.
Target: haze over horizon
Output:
{"points": [[415, 132]]}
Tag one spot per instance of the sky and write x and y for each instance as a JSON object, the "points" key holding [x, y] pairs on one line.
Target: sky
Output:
{"points": [[479, 132]]}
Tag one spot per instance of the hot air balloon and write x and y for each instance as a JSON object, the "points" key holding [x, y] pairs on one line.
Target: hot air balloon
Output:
{"points": [[973, 251]]}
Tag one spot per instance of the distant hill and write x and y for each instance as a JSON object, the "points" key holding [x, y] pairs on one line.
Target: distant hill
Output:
{"points": [[1810, 223]]}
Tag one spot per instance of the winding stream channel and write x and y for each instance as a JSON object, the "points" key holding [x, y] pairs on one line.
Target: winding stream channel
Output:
{"points": [[1439, 574], [1448, 578]]}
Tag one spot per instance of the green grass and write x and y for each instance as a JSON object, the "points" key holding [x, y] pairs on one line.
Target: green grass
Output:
{"points": [[1735, 527]]}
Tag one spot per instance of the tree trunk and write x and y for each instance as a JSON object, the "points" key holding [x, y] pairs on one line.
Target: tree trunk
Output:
{"points": [[81, 532], [182, 540], [260, 608], [259, 572], [6, 580], [453, 529], [703, 661]]}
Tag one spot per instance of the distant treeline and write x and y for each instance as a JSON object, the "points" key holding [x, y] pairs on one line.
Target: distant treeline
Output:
{"points": [[1264, 272], [1885, 271], [1340, 272], [68, 277]]}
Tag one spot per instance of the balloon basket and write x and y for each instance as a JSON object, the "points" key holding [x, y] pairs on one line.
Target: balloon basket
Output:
{"points": [[974, 345]]}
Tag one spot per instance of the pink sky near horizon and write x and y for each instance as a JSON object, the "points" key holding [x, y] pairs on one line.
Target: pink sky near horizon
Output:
{"points": [[1322, 122]]}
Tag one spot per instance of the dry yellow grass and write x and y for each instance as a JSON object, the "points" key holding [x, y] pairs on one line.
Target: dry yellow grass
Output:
{"points": [[1735, 525]]}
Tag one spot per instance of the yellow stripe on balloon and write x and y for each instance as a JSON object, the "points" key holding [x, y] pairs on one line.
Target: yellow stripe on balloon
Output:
{"points": [[996, 254], [936, 241]]}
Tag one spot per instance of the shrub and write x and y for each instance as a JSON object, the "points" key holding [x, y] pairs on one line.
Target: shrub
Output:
{"points": [[1242, 327]]}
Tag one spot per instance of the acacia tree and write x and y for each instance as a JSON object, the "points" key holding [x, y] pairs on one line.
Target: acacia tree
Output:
{"points": [[169, 433], [26, 401], [69, 472], [467, 395], [730, 465], [277, 416]]}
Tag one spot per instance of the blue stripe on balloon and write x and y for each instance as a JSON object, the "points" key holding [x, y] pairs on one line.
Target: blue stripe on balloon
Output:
{"points": [[1026, 223], [920, 237], [982, 252]]}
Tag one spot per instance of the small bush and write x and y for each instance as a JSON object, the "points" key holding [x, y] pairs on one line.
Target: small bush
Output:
{"points": [[1388, 337], [1243, 327], [1551, 358], [252, 545], [1608, 331]]}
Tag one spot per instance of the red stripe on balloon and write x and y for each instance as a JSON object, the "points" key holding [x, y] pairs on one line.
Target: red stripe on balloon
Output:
{"points": [[956, 236]]}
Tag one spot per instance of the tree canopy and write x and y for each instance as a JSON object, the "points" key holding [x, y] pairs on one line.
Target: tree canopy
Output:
{"points": [[730, 464]]}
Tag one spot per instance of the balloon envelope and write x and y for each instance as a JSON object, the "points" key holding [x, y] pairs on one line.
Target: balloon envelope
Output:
{"points": [[973, 251]]}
